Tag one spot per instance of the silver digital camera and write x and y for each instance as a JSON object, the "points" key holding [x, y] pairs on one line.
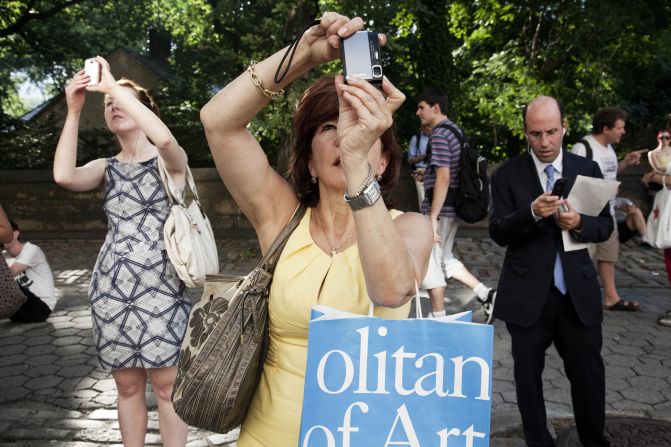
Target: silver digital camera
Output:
{"points": [[360, 54]]}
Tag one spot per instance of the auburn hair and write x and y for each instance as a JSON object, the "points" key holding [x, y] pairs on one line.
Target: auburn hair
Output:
{"points": [[317, 105]]}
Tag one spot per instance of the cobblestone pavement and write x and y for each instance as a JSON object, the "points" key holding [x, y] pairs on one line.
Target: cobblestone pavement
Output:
{"points": [[51, 389]]}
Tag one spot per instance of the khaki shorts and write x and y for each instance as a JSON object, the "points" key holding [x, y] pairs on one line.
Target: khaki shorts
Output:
{"points": [[606, 250]]}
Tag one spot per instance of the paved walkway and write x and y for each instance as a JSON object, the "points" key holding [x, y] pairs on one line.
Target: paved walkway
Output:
{"points": [[51, 389]]}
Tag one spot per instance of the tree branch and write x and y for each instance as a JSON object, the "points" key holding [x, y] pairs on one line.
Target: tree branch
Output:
{"points": [[29, 15]]}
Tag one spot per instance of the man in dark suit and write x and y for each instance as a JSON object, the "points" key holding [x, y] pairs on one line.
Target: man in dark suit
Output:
{"points": [[545, 294]]}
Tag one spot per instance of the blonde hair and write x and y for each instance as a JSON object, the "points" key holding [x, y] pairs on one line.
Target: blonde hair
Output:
{"points": [[142, 94]]}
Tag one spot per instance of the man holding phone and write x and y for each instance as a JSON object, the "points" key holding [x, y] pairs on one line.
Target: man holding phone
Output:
{"points": [[545, 294]]}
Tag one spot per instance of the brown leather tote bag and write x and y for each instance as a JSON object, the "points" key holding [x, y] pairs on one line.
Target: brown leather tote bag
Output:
{"points": [[223, 352]]}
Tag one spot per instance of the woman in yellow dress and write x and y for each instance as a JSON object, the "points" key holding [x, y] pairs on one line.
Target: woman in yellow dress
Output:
{"points": [[345, 253]]}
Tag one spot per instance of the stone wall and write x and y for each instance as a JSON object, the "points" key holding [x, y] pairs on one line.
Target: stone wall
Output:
{"points": [[35, 201], [40, 206]]}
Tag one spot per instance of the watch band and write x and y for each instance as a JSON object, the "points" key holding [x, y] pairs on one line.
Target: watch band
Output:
{"points": [[368, 196]]}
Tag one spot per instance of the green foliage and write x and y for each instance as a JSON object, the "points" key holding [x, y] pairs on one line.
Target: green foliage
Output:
{"points": [[491, 56]]}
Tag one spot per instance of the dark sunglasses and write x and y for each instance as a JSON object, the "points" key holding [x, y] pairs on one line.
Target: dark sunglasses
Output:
{"points": [[665, 137]]}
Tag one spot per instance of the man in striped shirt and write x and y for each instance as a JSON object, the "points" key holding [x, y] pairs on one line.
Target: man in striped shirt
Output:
{"points": [[442, 174]]}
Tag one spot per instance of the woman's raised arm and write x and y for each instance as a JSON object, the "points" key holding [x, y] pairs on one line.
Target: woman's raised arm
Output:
{"points": [[66, 172], [263, 195], [157, 132]]}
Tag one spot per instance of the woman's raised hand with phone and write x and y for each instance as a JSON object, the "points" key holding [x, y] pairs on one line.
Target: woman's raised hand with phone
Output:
{"points": [[75, 92], [107, 82]]}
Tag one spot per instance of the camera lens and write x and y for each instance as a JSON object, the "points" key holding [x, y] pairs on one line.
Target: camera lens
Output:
{"points": [[377, 71]]}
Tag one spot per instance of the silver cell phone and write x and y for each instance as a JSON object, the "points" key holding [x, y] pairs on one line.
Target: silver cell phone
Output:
{"points": [[92, 68], [360, 54]]}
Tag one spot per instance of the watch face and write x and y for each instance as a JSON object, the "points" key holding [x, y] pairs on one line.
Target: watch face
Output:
{"points": [[368, 196]]}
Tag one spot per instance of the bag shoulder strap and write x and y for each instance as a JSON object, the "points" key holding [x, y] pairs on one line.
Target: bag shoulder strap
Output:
{"points": [[169, 185], [456, 131], [428, 144], [588, 149], [269, 260]]}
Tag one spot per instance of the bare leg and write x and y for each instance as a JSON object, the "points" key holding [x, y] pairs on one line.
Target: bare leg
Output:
{"points": [[635, 220], [465, 277], [131, 405], [607, 274], [437, 297], [172, 428]]}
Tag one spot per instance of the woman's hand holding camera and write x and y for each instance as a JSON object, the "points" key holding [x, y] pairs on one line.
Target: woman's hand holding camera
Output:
{"points": [[321, 43], [364, 114]]}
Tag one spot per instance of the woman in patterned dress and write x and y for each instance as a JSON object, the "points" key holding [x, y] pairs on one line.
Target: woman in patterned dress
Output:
{"points": [[343, 257], [137, 304]]}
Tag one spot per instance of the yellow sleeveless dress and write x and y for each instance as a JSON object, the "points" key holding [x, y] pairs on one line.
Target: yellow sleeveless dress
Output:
{"points": [[304, 276]]}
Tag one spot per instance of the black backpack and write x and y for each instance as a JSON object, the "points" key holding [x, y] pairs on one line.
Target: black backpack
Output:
{"points": [[471, 199]]}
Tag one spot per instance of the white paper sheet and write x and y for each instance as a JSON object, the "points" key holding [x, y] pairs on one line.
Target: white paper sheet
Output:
{"points": [[588, 196]]}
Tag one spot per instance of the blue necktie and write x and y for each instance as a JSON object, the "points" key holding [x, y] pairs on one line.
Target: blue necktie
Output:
{"points": [[559, 281]]}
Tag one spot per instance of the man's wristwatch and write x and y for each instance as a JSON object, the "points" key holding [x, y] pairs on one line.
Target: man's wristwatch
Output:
{"points": [[368, 196]]}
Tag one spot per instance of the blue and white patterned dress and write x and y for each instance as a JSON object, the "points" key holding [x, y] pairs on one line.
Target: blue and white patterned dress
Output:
{"points": [[137, 300]]}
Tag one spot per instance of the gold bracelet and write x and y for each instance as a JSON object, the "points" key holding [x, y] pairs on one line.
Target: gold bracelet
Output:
{"points": [[257, 82]]}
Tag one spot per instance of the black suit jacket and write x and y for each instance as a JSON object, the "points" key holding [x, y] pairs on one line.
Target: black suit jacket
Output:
{"points": [[528, 268]]}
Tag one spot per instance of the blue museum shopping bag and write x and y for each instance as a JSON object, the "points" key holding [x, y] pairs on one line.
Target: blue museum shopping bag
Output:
{"points": [[372, 382]]}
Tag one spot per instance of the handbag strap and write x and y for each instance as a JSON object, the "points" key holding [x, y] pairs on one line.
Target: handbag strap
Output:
{"points": [[171, 189], [269, 260]]}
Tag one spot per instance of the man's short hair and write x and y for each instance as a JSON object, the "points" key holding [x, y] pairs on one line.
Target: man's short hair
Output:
{"points": [[433, 96], [526, 106], [607, 116]]}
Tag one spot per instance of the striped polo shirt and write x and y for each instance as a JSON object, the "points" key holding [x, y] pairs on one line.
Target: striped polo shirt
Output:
{"points": [[445, 151]]}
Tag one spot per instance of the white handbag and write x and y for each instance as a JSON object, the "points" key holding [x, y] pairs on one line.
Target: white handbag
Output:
{"points": [[187, 233], [658, 227]]}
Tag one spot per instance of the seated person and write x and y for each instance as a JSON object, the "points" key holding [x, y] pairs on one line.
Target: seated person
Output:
{"points": [[30, 269], [630, 220]]}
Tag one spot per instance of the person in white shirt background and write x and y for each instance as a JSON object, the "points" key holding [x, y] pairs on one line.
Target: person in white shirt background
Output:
{"points": [[31, 270], [608, 127]]}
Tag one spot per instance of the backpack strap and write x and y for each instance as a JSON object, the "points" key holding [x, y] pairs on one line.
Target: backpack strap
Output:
{"points": [[457, 132], [588, 149], [453, 129]]}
